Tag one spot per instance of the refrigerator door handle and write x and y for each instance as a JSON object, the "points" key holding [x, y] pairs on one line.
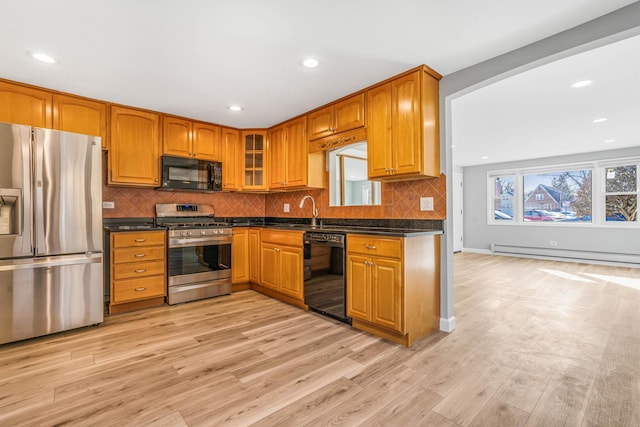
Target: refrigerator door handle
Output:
{"points": [[38, 190]]}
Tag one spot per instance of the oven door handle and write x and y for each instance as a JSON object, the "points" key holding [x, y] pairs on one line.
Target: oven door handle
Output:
{"points": [[198, 241]]}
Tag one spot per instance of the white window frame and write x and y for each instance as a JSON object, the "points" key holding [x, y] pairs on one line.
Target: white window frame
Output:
{"points": [[598, 195]]}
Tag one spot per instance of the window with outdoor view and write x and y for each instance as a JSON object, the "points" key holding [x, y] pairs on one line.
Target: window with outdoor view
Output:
{"points": [[621, 193], [503, 197], [558, 196]]}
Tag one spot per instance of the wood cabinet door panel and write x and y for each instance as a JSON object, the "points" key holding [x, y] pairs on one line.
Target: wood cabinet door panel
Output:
{"points": [[406, 125], [291, 272], [349, 113], [296, 153], [269, 267], [254, 255], [74, 114], [277, 158], [358, 287], [25, 106], [206, 141], [320, 123], [176, 136], [135, 239], [148, 253], [134, 155], [379, 131], [231, 159], [240, 256], [387, 296], [130, 270]]}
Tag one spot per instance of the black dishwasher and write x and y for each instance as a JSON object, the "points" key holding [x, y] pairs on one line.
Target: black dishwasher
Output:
{"points": [[324, 274]]}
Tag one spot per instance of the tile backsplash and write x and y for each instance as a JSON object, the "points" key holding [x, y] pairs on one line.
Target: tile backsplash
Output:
{"points": [[400, 200]]}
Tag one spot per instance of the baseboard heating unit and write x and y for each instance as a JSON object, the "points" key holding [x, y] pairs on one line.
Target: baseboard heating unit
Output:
{"points": [[565, 253]]}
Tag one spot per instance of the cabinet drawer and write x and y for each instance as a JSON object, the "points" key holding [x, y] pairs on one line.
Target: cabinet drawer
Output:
{"points": [[141, 254], [133, 289], [374, 245], [129, 270], [282, 237], [141, 238]]}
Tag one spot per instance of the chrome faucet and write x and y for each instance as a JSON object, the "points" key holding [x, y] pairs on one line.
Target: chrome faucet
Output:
{"points": [[314, 210]]}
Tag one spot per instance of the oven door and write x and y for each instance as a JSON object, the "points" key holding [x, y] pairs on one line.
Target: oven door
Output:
{"points": [[198, 268]]}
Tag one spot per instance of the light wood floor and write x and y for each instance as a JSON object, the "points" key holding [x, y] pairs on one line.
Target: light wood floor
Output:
{"points": [[538, 343]]}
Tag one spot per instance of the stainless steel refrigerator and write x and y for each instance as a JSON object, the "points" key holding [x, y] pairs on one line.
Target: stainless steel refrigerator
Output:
{"points": [[50, 231]]}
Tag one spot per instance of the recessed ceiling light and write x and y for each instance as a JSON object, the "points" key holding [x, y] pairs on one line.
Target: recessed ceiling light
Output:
{"points": [[453, 146], [42, 57], [310, 62], [607, 141], [600, 120], [484, 157], [582, 83], [234, 108]]}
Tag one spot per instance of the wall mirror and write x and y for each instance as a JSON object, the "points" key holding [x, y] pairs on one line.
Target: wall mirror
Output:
{"points": [[349, 185]]}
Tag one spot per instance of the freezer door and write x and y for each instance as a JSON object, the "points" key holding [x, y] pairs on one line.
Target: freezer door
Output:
{"points": [[68, 193], [15, 191], [52, 294]]}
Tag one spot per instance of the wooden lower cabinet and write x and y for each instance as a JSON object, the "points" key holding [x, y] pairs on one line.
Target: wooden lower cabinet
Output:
{"points": [[281, 265], [138, 270], [393, 285], [254, 255], [240, 258]]}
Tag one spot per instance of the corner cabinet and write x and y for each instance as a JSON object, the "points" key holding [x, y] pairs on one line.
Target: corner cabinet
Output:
{"points": [[134, 152], [80, 115], [403, 127], [393, 285], [254, 168], [281, 262]]}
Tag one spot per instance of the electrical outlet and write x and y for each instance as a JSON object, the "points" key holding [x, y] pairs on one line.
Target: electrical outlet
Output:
{"points": [[426, 203], [108, 205], [286, 207], [553, 243]]}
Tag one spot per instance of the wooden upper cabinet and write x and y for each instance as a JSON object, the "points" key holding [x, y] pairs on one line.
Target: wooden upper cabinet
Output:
{"points": [[25, 105], [288, 155], [339, 117], [207, 141], [80, 115], [254, 157], [185, 138], [231, 159], [403, 134], [134, 154]]}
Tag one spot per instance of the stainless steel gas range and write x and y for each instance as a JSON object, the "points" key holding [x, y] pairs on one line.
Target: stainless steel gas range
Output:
{"points": [[199, 252]]}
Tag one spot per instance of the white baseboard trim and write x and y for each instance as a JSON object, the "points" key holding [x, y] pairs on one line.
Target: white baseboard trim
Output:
{"points": [[478, 251], [447, 325]]}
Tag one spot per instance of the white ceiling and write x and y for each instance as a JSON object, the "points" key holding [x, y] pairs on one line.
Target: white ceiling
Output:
{"points": [[194, 57], [537, 114]]}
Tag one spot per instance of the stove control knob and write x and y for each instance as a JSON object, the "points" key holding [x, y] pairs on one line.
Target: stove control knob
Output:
{"points": [[183, 233], [189, 233], [203, 232], [215, 231]]}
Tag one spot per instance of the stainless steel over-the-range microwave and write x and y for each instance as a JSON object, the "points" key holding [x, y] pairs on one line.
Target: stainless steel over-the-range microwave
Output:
{"points": [[180, 173]]}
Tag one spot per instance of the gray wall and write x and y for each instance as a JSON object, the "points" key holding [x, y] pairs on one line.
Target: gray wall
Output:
{"points": [[480, 235], [617, 25]]}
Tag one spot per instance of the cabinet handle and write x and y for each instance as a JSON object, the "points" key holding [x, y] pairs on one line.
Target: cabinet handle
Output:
{"points": [[140, 289], [140, 271], [277, 250], [156, 180], [140, 255], [140, 240], [370, 246]]}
